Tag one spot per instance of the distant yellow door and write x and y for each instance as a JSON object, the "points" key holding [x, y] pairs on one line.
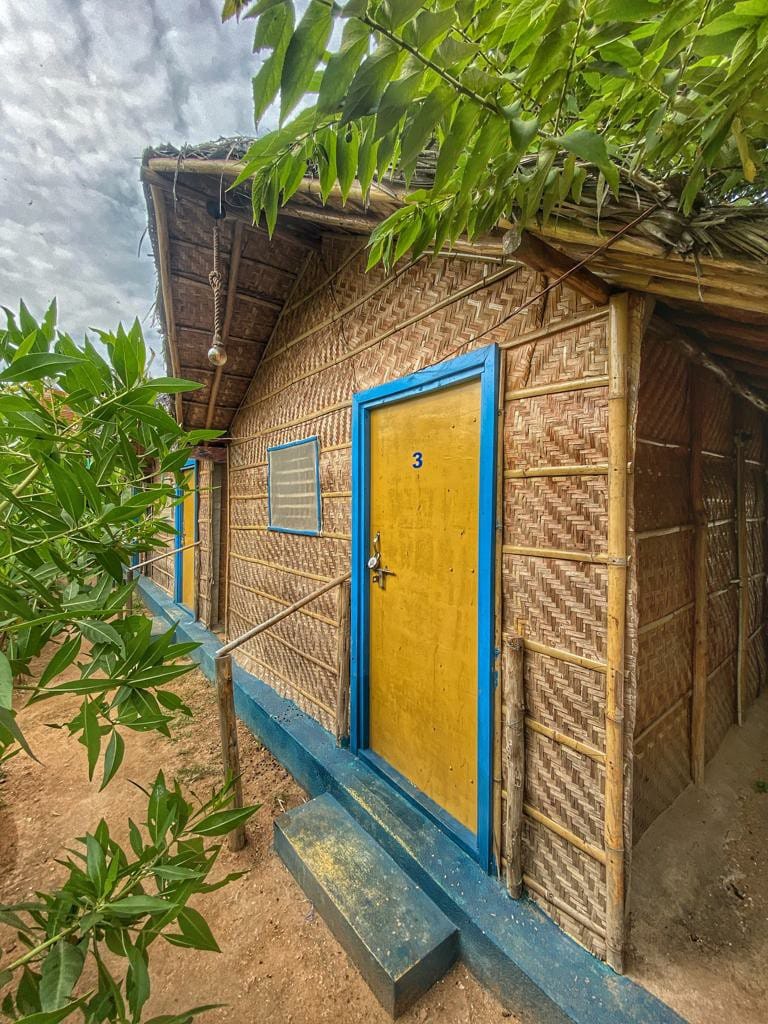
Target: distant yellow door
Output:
{"points": [[423, 642], [188, 555]]}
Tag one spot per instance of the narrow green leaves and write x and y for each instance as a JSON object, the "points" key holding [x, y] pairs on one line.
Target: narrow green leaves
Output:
{"points": [[304, 51], [61, 968]]}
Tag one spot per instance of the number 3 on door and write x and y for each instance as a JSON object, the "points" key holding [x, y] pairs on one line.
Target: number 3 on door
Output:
{"points": [[418, 460]]}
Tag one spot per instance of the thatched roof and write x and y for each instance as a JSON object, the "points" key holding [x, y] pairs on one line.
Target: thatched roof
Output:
{"points": [[710, 270]]}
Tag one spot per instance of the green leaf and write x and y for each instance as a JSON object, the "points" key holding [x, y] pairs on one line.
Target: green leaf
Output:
{"points": [[91, 738], [342, 66], [137, 981], [267, 81], [194, 932], [221, 822], [347, 149], [96, 863], [52, 1016], [590, 146], [99, 632], [66, 487], [38, 366], [136, 906], [8, 722], [113, 757], [303, 54], [61, 969], [371, 78], [6, 683]]}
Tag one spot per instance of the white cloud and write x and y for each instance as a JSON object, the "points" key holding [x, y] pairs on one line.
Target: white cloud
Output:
{"points": [[85, 86]]}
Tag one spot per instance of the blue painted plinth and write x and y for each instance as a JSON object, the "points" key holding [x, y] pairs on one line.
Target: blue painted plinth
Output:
{"points": [[400, 941]]}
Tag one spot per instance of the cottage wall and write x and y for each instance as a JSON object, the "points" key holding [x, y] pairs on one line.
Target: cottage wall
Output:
{"points": [[161, 572], [665, 523], [345, 331]]}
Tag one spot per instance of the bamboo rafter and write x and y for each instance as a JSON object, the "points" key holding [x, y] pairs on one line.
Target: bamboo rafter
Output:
{"points": [[560, 388], [569, 556]]}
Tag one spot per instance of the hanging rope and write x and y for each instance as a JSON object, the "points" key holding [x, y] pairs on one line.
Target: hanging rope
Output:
{"points": [[216, 353]]}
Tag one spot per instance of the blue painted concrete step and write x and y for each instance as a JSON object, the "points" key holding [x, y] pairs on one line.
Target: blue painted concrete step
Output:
{"points": [[401, 942]]}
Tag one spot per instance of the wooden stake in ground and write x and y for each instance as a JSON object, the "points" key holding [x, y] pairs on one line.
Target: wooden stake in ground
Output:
{"points": [[618, 345], [342, 663], [700, 594], [229, 748], [512, 669]]}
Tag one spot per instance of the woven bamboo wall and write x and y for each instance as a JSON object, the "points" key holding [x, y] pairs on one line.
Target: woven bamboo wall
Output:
{"points": [[204, 533], [162, 571], [347, 335], [665, 570]]}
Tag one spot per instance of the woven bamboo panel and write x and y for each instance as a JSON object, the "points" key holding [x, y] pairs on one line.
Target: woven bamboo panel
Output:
{"points": [[567, 873], [754, 424], [556, 430], [331, 427], [204, 481], [162, 572], [663, 400], [757, 665], [723, 627], [754, 491], [721, 705], [664, 669], [568, 513], [562, 604], [569, 355], [755, 546], [562, 303], [566, 697], [286, 587], [717, 433], [665, 574], [662, 487], [323, 556], [719, 488], [722, 565], [566, 786], [662, 767], [756, 588], [267, 675]]}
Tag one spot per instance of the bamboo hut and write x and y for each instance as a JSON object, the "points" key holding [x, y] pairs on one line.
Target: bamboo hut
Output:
{"points": [[598, 430]]}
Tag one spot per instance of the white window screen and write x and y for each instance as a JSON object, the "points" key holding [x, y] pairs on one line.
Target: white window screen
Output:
{"points": [[294, 487]]}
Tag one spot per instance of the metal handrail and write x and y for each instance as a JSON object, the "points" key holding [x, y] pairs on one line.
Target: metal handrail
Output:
{"points": [[255, 630], [164, 554]]}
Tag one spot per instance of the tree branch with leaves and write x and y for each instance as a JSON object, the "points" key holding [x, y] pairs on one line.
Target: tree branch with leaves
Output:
{"points": [[520, 99]]}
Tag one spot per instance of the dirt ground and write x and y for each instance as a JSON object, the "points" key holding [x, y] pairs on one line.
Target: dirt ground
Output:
{"points": [[279, 963], [700, 888]]}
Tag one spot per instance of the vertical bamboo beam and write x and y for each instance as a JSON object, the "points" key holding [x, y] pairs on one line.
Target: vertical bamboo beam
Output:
{"points": [[227, 565], [618, 346], [498, 709], [342, 662], [514, 685], [197, 564], [230, 752], [700, 594], [743, 566], [166, 290]]}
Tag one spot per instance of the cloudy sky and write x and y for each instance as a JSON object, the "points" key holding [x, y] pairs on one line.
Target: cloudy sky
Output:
{"points": [[85, 86]]}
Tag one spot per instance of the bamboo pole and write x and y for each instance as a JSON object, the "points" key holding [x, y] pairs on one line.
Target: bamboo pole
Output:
{"points": [[498, 620], [743, 564], [513, 653], [598, 469], [564, 740], [342, 662], [700, 595], [565, 833], [230, 752], [166, 290], [618, 346], [582, 919]]}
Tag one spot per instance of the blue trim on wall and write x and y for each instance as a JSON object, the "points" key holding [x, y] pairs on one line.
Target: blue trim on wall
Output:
{"points": [[481, 364], [178, 522], [511, 946], [313, 439]]}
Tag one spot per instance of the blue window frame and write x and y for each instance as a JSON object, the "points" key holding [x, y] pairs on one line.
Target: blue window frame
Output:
{"points": [[294, 499], [178, 522], [481, 364]]}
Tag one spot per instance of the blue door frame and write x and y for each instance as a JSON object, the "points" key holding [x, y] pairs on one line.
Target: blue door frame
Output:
{"points": [[178, 522], [483, 365]]}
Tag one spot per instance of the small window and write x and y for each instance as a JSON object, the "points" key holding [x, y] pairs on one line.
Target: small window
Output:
{"points": [[293, 486]]}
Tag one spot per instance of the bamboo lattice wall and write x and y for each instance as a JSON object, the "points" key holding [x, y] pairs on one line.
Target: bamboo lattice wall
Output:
{"points": [[204, 533], [357, 330], [671, 451], [162, 571]]}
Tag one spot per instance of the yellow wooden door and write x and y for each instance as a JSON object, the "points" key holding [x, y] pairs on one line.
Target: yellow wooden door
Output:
{"points": [[188, 581], [423, 643]]}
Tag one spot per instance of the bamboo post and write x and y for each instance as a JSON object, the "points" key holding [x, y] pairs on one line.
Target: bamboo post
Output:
{"points": [[196, 561], [743, 565], [342, 663], [618, 345], [230, 752], [514, 685], [498, 618], [700, 591]]}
